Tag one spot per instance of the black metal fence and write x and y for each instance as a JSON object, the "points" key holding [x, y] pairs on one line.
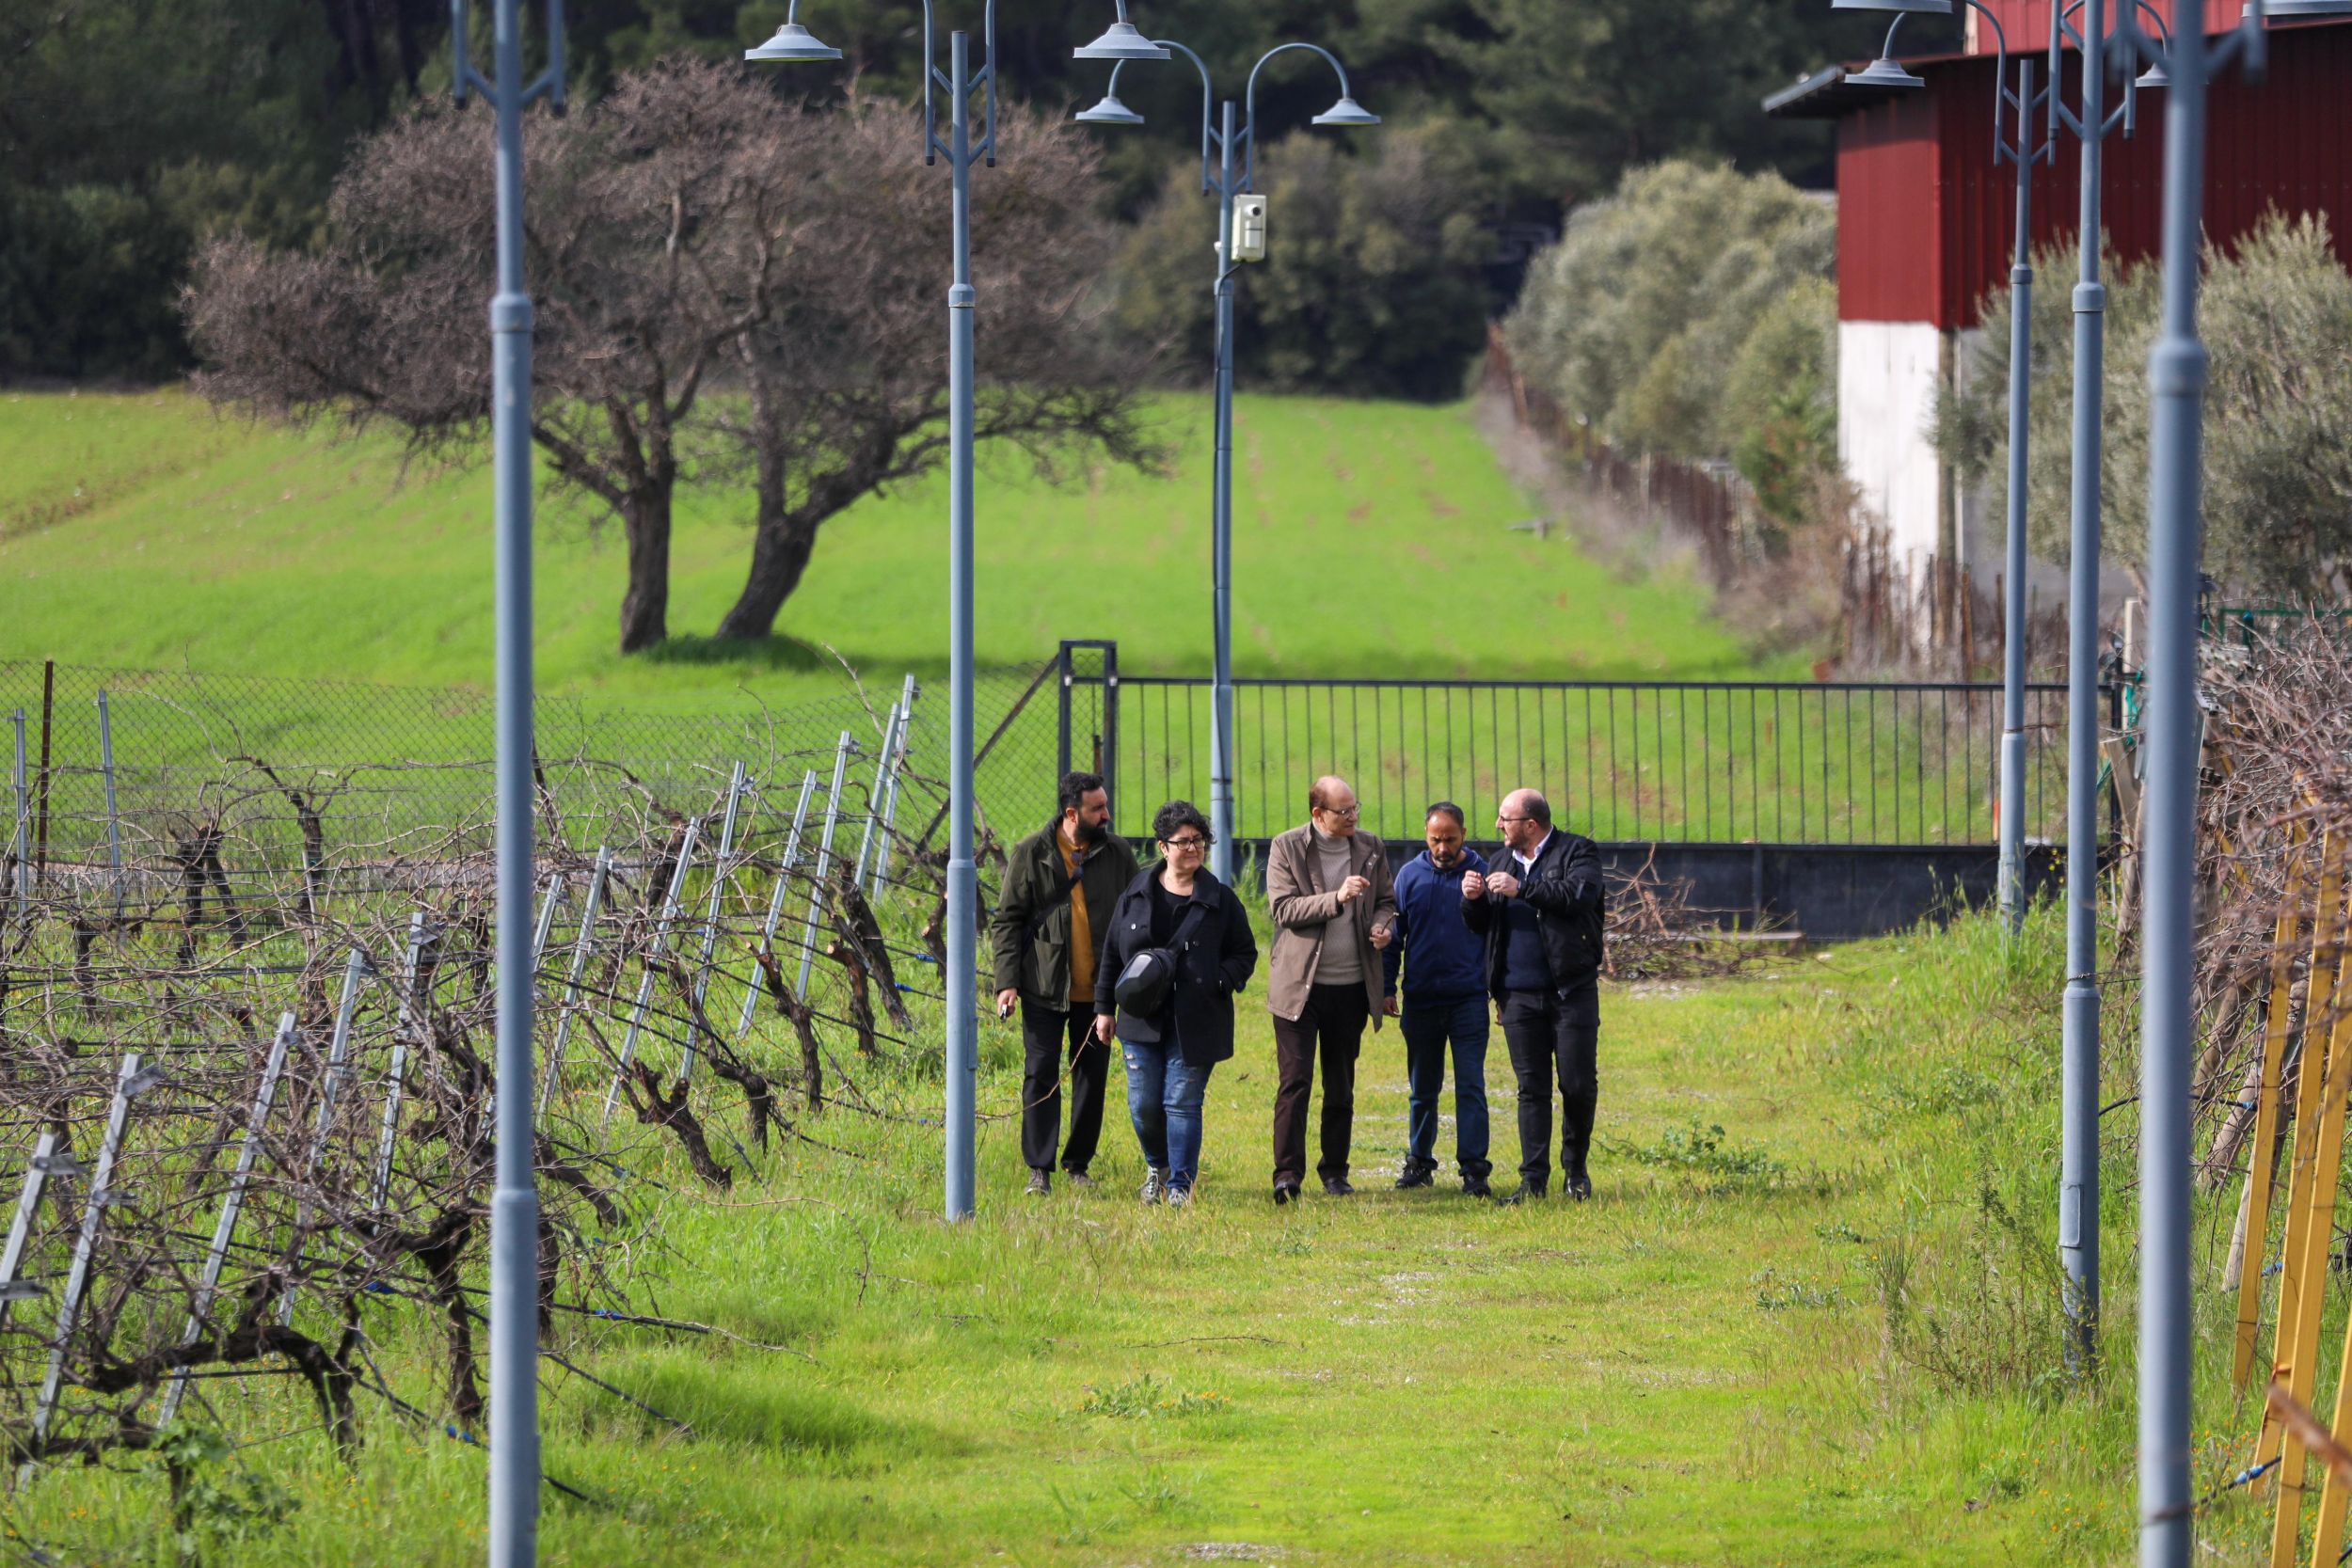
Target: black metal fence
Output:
{"points": [[1660, 761]]}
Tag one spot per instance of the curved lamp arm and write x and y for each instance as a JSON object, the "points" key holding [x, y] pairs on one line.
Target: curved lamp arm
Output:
{"points": [[1249, 101], [1208, 92]]}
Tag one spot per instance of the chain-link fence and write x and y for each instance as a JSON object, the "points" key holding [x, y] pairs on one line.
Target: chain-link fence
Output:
{"points": [[113, 766]]}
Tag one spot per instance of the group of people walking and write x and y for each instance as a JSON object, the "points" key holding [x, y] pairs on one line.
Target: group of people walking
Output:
{"points": [[1094, 948]]}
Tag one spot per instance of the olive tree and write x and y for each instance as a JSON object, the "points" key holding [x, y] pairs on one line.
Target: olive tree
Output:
{"points": [[725, 285]]}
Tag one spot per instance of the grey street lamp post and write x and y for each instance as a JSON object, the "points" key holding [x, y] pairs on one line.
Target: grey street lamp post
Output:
{"points": [[2023, 151], [1219, 177], [2078, 1115], [794, 43], [2177, 373], [514, 1201]]}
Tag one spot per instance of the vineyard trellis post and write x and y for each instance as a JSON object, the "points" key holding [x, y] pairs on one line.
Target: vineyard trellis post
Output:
{"points": [[129, 1084], [330, 1089], [655, 951], [231, 1204], [113, 819], [21, 842], [21, 1229], [739, 785], [824, 858], [785, 867], [890, 798], [584, 944]]}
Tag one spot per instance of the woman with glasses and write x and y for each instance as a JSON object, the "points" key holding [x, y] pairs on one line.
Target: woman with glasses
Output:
{"points": [[1178, 908]]}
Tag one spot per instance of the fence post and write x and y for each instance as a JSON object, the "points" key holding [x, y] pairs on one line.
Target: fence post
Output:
{"points": [[1061, 751], [229, 1207], [113, 820], [21, 842], [40, 809]]}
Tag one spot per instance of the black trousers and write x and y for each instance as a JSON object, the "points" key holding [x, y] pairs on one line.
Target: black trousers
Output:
{"points": [[1047, 1038], [1331, 1027], [1548, 1031]]}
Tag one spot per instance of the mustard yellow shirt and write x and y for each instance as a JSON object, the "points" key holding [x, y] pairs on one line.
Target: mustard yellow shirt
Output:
{"points": [[1081, 929]]}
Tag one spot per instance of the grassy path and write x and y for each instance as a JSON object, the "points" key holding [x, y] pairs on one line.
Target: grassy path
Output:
{"points": [[1806, 1321]]}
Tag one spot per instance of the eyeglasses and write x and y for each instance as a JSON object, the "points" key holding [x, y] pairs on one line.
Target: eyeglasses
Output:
{"points": [[1499, 818], [1185, 843], [1349, 814]]}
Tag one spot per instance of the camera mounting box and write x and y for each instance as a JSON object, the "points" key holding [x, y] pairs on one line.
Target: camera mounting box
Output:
{"points": [[1250, 228]]}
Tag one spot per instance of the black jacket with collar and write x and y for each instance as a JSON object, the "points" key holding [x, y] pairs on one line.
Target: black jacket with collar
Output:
{"points": [[1030, 929], [1564, 887], [1214, 961]]}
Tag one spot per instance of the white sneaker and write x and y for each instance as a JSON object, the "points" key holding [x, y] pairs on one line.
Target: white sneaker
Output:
{"points": [[1154, 1186], [1180, 1197]]}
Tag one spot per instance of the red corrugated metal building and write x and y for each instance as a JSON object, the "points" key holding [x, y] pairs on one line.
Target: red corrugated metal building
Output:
{"points": [[1925, 216]]}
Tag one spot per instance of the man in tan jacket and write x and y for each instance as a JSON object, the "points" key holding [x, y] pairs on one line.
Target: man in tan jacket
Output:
{"points": [[1333, 911]]}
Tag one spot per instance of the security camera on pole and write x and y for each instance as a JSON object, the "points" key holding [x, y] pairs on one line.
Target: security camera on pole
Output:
{"points": [[794, 43], [1241, 237]]}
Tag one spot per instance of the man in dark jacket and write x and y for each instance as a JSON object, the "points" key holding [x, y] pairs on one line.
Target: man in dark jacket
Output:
{"points": [[1444, 966], [1048, 932], [1540, 909]]}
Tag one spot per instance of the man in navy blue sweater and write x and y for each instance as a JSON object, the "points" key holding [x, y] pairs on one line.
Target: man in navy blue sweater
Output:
{"points": [[1444, 964]]}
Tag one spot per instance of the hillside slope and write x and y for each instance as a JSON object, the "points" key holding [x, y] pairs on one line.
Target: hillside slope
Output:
{"points": [[1372, 539]]}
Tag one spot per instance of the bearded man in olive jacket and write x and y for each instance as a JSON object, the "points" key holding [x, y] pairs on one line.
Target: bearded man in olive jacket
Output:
{"points": [[1048, 932]]}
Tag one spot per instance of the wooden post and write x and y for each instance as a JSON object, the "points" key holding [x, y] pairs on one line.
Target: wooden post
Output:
{"points": [[2259, 1161]]}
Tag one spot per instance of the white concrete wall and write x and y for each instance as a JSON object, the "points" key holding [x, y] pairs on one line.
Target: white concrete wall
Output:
{"points": [[1886, 385]]}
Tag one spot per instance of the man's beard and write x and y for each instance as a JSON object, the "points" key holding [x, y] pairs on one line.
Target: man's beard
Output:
{"points": [[1091, 833], [1450, 858]]}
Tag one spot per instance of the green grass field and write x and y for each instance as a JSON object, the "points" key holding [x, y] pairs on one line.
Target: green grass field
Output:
{"points": [[1810, 1319], [1371, 540]]}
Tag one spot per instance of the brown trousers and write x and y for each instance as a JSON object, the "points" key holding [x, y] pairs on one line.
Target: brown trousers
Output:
{"points": [[1330, 1027]]}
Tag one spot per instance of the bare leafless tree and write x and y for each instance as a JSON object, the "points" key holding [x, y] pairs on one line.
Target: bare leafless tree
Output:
{"points": [[689, 236]]}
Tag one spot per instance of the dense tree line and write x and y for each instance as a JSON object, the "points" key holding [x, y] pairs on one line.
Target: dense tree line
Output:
{"points": [[133, 131]]}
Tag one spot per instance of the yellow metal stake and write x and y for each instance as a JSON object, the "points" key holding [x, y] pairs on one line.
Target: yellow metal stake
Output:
{"points": [[2326, 935], [2276, 1027], [2311, 1280]]}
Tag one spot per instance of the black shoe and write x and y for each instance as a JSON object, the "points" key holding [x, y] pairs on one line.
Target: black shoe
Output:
{"points": [[1528, 1193], [1337, 1186], [1416, 1176], [1285, 1191], [1041, 1183], [1475, 1186], [1580, 1188]]}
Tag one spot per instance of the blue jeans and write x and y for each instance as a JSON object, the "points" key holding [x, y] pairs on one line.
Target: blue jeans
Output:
{"points": [[1163, 1095], [1429, 1028]]}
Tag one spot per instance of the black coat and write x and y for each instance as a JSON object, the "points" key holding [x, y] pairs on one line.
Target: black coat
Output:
{"points": [[1564, 887], [1215, 962]]}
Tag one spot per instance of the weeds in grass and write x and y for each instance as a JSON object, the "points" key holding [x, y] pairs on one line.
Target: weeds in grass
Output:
{"points": [[1705, 1151], [1775, 1295], [1146, 1398], [1996, 1322]]}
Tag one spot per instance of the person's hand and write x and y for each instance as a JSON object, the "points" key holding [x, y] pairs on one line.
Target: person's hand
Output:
{"points": [[1387, 1006], [1382, 935], [1503, 884], [1354, 888], [1005, 999], [1474, 885], [1102, 1022]]}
